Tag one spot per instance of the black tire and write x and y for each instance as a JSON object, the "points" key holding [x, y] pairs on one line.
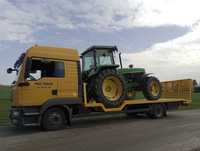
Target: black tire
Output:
{"points": [[147, 88], [53, 119], [157, 111], [99, 91]]}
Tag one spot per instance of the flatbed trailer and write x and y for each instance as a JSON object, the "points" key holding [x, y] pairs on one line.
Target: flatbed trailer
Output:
{"points": [[175, 94]]}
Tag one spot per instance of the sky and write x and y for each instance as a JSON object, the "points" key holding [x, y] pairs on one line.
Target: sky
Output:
{"points": [[162, 36]]}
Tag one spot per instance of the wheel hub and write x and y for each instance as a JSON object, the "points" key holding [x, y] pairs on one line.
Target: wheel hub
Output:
{"points": [[155, 88], [112, 88], [55, 119]]}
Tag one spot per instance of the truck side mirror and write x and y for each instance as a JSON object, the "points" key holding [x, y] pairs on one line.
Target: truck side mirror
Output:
{"points": [[9, 70]]}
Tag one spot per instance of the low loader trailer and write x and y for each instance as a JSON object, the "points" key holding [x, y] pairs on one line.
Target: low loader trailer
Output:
{"points": [[52, 87]]}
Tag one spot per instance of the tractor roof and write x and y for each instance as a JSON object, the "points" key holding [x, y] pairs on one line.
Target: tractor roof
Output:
{"points": [[92, 48]]}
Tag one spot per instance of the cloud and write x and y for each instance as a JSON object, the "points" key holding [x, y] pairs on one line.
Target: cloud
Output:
{"points": [[21, 19], [178, 58], [175, 59], [168, 12]]}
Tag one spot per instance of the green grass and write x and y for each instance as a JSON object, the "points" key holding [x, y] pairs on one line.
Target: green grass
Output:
{"points": [[4, 111], [4, 104], [4, 92], [195, 101]]}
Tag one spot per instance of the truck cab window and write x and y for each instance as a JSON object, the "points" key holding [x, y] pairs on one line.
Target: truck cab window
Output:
{"points": [[45, 68]]}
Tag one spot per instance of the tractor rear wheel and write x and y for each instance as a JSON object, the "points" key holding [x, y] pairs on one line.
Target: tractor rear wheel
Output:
{"points": [[152, 88], [109, 88]]}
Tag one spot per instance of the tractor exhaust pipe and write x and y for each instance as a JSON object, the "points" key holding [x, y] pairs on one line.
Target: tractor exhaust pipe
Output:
{"points": [[120, 60]]}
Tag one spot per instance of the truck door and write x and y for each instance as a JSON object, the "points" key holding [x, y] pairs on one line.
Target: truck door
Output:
{"points": [[68, 85], [42, 79]]}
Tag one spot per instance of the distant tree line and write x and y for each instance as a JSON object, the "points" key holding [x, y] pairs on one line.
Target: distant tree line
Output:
{"points": [[196, 87]]}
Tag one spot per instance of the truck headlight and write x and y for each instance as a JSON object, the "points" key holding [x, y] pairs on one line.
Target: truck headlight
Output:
{"points": [[14, 121], [15, 113]]}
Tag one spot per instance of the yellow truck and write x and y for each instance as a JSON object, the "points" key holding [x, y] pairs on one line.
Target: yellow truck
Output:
{"points": [[51, 87]]}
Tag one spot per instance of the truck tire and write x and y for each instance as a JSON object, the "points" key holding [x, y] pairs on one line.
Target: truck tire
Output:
{"points": [[53, 119], [152, 88], [157, 111], [109, 88]]}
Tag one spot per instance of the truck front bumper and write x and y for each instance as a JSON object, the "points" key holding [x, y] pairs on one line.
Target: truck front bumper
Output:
{"points": [[24, 116], [16, 116]]}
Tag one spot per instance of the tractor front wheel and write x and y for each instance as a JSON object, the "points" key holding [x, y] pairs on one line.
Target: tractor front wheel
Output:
{"points": [[152, 88]]}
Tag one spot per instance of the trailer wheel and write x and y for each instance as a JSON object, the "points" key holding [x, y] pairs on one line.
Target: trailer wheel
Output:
{"points": [[152, 88], [157, 111], [54, 119]]}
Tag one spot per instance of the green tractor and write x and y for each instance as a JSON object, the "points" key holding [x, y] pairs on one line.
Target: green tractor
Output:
{"points": [[110, 83]]}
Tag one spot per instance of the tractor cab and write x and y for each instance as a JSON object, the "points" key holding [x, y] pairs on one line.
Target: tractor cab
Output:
{"points": [[98, 56]]}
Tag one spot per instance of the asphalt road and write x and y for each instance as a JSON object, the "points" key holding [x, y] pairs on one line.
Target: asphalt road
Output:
{"points": [[180, 131]]}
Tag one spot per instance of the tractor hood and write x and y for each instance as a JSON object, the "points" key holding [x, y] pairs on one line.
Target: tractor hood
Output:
{"points": [[131, 70]]}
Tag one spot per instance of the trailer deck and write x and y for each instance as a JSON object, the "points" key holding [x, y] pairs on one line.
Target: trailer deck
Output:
{"points": [[178, 92]]}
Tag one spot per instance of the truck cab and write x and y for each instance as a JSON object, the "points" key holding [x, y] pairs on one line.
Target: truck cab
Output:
{"points": [[46, 76]]}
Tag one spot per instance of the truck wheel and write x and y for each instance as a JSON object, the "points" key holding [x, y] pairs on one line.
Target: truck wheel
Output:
{"points": [[157, 111], [109, 88], [152, 88], [53, 119]]}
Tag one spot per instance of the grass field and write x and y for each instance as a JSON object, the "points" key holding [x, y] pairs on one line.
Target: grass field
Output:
{"points": [[195, 101], [5, 103], [4, 92]]}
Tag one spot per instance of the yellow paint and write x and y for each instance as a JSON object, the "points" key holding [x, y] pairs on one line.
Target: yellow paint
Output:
{"points": [[39, 91], [155, 88], [112, 88], [53, 53]]}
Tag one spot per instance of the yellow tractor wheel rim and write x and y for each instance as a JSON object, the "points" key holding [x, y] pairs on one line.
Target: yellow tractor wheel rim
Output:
{"points": [[155, 88], [112, 88]]}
